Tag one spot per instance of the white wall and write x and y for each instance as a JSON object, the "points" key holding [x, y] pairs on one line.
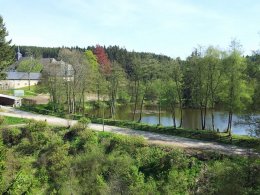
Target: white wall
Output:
{"points": [[16, 84]]}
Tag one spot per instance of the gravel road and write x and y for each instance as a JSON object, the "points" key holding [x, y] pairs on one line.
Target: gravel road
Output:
{"points": [[153, 138]]}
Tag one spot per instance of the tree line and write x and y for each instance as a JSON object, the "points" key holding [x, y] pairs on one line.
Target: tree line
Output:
{"points": [[209, 77]]}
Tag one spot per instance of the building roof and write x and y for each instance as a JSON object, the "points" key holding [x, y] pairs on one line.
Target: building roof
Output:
{"points": [[10, 97], [23, 76]]}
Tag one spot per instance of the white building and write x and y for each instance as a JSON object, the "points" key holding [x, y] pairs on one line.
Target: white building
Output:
{"points": [[16, 80]]}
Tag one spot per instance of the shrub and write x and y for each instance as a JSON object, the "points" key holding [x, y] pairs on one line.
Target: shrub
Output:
{"points": [[34, 126], [11, 136], [84, 122]]}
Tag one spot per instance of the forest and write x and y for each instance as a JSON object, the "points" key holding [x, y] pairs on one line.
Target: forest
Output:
{"points": [[208, 78]]}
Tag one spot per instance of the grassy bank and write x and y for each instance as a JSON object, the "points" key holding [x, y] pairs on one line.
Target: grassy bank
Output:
{"points": [[206, 135], [8, 120]]}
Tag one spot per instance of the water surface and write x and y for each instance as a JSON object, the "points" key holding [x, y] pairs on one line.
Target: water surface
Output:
{"points": [[191, 118]]}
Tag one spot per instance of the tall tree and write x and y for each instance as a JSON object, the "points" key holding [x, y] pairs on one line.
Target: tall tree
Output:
{"points": [[102, 58], [215, 73], [170, 96], [173, 89], [237, 93], [253, 72], [147, 73], [6, 50], [116, 81], [199, 85], [97, 79], [175, 73]]}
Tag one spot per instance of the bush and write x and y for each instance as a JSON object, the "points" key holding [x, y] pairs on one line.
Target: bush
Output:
{"points": [[34, 126], [11, 136], [84, 122]]}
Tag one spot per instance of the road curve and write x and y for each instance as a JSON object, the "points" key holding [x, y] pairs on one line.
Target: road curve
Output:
{"points": [[151, 137]]}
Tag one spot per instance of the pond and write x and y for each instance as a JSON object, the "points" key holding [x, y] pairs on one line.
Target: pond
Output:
{"points": [[191, 118]]}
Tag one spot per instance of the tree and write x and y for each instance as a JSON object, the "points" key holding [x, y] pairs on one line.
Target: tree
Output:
{"points": [[170, 96], [145, 72], [237, 93], [97, 79], [215, 73], [6, 50], [199, 85], [103, 61], [253, 72], [116, 82], [30, 65], [175, 73], [55, 85]]}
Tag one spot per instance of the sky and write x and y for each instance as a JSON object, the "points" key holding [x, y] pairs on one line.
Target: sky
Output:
{"points": [[169, 27]]}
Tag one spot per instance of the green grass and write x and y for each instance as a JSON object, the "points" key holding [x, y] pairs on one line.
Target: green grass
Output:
{"points": [[27, 92], [8, 120]]}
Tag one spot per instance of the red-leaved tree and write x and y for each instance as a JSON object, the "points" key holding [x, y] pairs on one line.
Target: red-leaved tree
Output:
{"points": [[103, 61]]}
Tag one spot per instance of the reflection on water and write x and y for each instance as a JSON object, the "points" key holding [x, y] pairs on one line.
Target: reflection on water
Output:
{"points": [[191, 118]]}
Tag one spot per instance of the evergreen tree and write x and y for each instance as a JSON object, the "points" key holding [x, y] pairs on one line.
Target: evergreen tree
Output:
{"points": [[6, 50]]}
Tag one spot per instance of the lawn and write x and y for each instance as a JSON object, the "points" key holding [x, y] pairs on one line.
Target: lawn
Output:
{"points": [[8, 120]]}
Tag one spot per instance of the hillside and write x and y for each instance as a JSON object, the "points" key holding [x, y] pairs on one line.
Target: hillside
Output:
{"points": [[81, 161]]}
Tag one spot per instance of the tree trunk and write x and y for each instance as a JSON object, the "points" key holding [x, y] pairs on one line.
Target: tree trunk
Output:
{"points": [[204, 117], [83, 102], [136, 98], [98, 92], [159, 111], [201, 118], [173, 117], [230, 124], [212, 120], [141, 109], [68, 97], [180, 101], [181, 119]]}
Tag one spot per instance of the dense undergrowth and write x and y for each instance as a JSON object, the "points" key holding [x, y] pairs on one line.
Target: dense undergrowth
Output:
{"points": [[38, 159], [207, 135]]}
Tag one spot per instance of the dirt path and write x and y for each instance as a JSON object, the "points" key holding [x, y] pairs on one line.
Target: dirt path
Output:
{"points": [[151, 137]]}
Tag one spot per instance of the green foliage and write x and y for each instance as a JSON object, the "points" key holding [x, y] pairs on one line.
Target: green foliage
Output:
{"points": [[11, 136], [6, 51], [92, 59], [47, 160], [30, 65], [84, 122], [231, 177], [2, 161]]}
